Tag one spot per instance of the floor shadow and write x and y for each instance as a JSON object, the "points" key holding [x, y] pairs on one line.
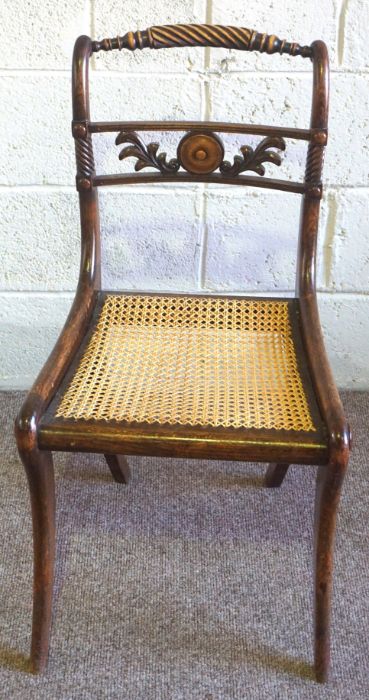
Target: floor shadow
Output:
{"points": [[283, 664], [14, 661], [229, 481], [213, 479]]}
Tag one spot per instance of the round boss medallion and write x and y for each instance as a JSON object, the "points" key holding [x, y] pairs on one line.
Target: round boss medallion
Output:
{"points": [[200, 153]]}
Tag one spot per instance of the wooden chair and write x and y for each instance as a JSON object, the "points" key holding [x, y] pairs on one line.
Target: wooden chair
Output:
{"points": [[180, 375]]}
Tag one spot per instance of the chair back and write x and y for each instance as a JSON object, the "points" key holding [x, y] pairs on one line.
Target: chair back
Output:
{"points": [[200, 151]]}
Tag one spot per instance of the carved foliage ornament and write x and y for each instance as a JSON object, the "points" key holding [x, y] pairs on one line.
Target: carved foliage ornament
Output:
{"points": [[253, 159], [201, 153], [147, 156]]}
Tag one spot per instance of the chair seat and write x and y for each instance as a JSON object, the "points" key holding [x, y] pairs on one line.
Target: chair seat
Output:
{"points": [[212, 362]]}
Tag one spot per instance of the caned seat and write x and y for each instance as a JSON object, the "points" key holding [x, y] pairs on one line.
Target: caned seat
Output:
{"points": [[234, 366], [190, 375], [191, 361]]}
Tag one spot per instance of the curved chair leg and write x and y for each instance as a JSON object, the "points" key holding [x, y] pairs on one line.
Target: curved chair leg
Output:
{"points": [[119, 468], [328, 489], [40, 474], [275, 475]]}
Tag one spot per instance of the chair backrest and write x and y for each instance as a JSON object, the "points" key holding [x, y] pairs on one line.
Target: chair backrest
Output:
{"points": [[200, 152]]}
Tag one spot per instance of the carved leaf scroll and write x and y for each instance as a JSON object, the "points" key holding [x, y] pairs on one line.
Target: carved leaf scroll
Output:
{"points": [[147, 156], [253, 159]]}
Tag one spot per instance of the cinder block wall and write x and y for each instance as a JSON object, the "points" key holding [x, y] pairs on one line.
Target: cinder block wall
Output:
{"points": [[191, 237]]}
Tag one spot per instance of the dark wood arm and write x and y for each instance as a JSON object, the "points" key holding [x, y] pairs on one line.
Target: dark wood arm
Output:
{"points": [[178, 35]]}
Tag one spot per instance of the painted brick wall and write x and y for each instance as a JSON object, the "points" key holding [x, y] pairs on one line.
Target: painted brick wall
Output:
{"points": [[199, 237]]}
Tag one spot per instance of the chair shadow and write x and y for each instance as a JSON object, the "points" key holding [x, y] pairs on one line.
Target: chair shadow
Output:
{"points": [[275, 661], [214, 479], [13, 660], [280, 663], [237, 651], [229, 481]]}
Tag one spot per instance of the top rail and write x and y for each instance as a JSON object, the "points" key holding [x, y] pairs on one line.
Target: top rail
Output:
{"points": [[179, 35]]}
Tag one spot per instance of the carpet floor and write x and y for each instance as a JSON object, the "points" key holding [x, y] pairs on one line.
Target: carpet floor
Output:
{"points": [[191, 583]]}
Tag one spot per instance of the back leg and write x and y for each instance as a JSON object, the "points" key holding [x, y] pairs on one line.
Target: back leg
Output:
{"points": [[119, 468], [275, 475]]}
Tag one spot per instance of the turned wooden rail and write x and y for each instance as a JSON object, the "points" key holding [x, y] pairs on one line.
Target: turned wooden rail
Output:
{"points": [[217, 36]]}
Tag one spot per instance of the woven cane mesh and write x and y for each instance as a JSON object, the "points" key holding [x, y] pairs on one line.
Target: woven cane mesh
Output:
{"points": [[190, 361]]}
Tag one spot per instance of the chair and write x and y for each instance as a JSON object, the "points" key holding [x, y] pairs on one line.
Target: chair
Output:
{"points": [[182, 375]]}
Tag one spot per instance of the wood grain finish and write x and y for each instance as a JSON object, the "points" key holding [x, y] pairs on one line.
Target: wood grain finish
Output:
{"points": [[37, 429], [226, 127], [328, 490], [180, 35], [40, 474], [217, 178], [193, 444]]}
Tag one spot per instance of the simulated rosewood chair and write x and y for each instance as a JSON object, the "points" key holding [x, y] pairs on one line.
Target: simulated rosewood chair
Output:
{"points": [[181, 375]]}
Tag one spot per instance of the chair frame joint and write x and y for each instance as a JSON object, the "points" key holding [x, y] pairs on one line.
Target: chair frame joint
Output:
{"points": [[79, 128], [314, 190], [320, 137], [84, 183]]}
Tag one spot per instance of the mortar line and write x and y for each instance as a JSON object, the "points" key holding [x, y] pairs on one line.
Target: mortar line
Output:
{"points": [[159, 189], [203, 242], [205, 116], [207, 62], [93, 33], [22, 72], [37, 188], [92, 19], [341, 31], [345, 293], [62, 293], [65, 293], [133, 188], [329, 239]]}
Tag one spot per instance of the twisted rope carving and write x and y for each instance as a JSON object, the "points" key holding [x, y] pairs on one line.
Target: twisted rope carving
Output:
{"points": [[177, 35], [314, 163], [84, 157]]}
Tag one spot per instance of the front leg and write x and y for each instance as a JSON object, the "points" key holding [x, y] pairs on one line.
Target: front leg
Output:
{"points": [[40, 474], [328, 489]]}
